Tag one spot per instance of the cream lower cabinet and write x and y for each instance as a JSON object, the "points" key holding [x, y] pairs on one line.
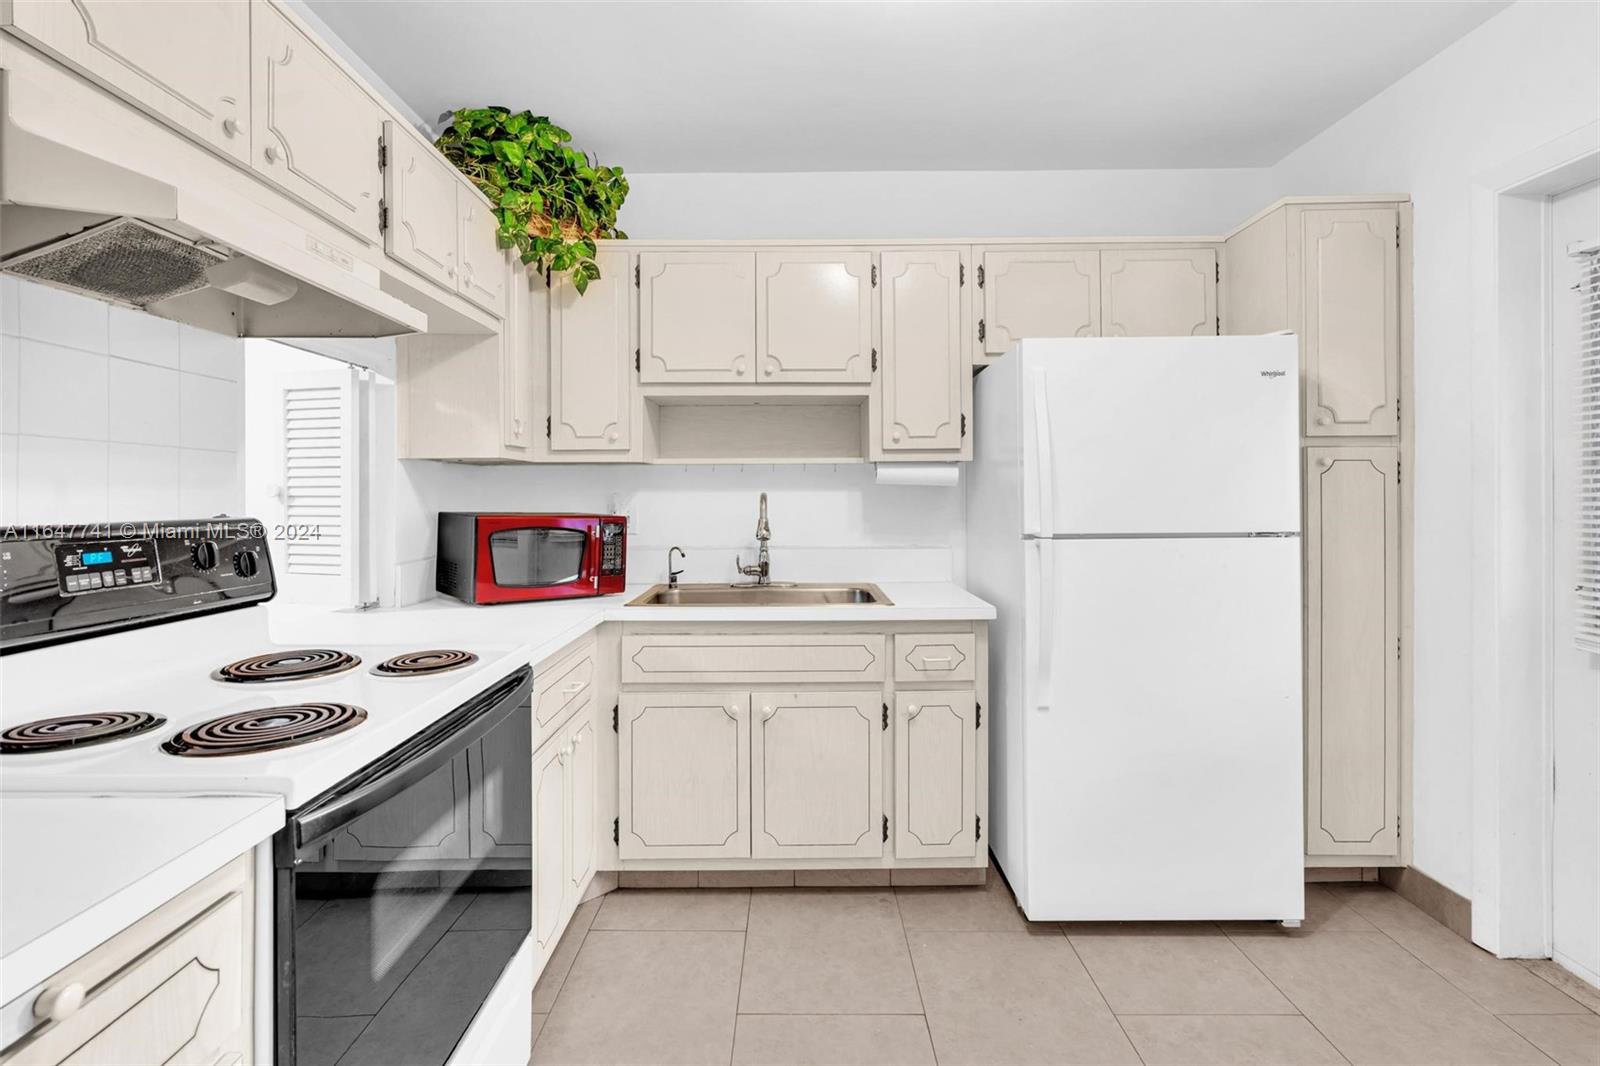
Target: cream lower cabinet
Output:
{"points": [[684, 775], [816, 768], [935, 765], [1158, 292], [564, 783], [176, 987], [1352, 652]]}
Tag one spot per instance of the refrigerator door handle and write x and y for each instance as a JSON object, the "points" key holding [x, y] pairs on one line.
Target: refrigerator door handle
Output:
{"points": [[1045, 591], [1043, 456]]}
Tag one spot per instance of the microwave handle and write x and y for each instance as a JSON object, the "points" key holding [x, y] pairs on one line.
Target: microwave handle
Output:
{"points": [[314, 823]]}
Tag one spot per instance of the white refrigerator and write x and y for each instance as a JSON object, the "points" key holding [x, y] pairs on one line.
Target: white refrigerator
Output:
{"points": [[1133, 511]]}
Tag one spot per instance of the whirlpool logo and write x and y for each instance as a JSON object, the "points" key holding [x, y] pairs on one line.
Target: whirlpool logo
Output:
{"points": [[1270, 374]]}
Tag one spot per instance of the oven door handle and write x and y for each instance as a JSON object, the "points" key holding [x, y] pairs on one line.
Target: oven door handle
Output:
{"points": [[311, 825]]}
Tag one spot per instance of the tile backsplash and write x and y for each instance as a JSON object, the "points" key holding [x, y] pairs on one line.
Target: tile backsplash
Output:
{"points": [[109, 414]]}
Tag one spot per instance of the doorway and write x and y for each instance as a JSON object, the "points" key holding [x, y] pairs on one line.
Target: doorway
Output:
{"points": [[1575, 673]]}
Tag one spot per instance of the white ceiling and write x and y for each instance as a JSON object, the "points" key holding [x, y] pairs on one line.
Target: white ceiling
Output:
{"points": [[668, 85]]}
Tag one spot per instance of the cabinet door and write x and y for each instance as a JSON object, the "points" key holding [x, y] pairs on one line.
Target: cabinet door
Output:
{"points": [[419, 186], [684, 776], [591, 356], [499, 823], [697, 317], [551, 897], [314, 131], [188, 64], [426, 821], [1352, 693], [1048, 292], [1350, 321], [482, 277], [1158, 292], [517, 345], [924, 374], [935, 763], [816, 784], [581, 802], [814, 316]]}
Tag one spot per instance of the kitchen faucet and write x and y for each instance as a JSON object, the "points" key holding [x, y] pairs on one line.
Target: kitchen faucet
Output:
{"points": [[672, 575], [762, 568]]}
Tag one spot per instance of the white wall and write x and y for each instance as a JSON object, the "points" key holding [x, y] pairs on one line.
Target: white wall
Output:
{"points": [[1522, 79], [112, 414]]}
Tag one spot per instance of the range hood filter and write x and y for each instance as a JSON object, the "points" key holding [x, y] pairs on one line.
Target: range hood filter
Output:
{"points": [[125, 260]]}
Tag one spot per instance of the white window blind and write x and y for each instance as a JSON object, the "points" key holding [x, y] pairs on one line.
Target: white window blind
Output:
{"points": [[1587, 628]]}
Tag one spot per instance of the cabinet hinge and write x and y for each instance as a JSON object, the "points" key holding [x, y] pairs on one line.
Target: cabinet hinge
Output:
{"points": [[383, 154], [980, 329], [977, 716], [636, 275], [980, 275], [636, 361], [874, 275], [1397, 471], [1397, 236], [962, 275], [614, 715], [547, 431], [963, 425], [977, 827], [886, 828], [1219, 325], [886, 716], [874, 360], [1397, 410], [1219, 273], [383, 215], [616, 830]]}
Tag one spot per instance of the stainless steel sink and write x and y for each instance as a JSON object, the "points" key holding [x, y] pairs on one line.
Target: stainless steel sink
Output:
{"points": [[773, 595]]}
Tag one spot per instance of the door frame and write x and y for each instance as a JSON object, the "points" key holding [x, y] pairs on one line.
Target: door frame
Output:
{"points": [[1512, 526]]}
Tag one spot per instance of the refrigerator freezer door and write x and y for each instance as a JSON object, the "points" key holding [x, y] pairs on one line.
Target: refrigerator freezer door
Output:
{"points": [[1165, 435], [1163, 760]]}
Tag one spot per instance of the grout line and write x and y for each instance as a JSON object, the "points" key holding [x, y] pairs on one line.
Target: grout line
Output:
{"points": [[1096, 986], [738, 992], [576, 952], [916, 980], [1337, 1050]]}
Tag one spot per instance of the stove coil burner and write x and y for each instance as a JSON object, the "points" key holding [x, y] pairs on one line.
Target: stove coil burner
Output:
{"points": [[267, 729], [76, 731], [288, 666], [419, 663]]}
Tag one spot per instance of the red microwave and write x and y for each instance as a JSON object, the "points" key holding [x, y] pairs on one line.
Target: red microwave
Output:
{"points": [[510, 558]]}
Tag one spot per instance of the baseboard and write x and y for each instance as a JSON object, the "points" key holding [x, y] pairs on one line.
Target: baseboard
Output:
{"points": [[1324, 874], [1446, 906]]}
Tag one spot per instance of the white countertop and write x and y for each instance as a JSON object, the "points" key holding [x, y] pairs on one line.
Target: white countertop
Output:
{"points": [[80, 869]]}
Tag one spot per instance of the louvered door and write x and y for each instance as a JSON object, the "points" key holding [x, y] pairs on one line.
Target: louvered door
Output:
{"points": [[1585, 467], [314, 542]]}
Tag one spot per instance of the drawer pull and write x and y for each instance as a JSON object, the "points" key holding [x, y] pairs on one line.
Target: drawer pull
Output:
{"points": [[59, 1004], [574, 688], [942, 659]]}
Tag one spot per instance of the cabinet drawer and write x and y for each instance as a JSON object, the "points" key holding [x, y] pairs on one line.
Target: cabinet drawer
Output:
{"points": [[561, 684], [672, 658], [175, 987], [934, 657]]}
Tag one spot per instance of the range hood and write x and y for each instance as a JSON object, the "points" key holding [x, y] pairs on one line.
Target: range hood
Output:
{"points": [[97, 199]]}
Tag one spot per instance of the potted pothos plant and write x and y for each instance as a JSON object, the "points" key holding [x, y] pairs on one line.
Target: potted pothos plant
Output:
{"points": [[553, 202]]}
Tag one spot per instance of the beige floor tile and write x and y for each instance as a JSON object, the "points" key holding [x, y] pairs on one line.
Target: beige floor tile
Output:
{"points": [[1008, 998], [1553, 973], [555, 971], [841, 878], [1326, 911], [658, 879], [646, 997], [1196, 974], [1377, 1004], [1501, 986], [1229, 1040], [832, 1040], [827, 951], [979, 908], [1570, 1039], [746, 878], [674, 908]]}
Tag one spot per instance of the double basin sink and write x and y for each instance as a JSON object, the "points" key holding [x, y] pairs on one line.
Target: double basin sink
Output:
{"points": [[777, 594]]}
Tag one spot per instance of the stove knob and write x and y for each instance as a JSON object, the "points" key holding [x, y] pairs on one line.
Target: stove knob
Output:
{"points": [[246, 563], [205, 554]]}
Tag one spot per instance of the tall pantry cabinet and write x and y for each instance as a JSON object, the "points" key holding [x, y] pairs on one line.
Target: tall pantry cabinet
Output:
{"points": [[1337, 272]]}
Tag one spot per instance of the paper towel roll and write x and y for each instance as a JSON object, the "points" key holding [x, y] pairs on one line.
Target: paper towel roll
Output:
{"points": [[937, 475]]}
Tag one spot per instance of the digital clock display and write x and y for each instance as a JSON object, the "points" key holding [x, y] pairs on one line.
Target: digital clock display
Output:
{"points": [[96, 558]]}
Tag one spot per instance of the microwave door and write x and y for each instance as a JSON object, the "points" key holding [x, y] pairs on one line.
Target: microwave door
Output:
{"points": [[537, 558]]}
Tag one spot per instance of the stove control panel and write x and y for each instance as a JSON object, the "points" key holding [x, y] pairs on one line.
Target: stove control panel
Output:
{"points": [[67, 582]]}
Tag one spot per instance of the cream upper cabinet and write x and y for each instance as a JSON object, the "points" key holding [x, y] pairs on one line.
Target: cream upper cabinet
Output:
{"points": [[1158, 292], [482, 277], [552, 895], [1042, 292], [1350, 320], [591, 357], [684, 777], [814, 316], [697, 317], [314, 131], [816, 761], [419, 190], [426, 821], [935, 759], [1255, 276], [499, 774], [518, 334], [187, 63], [1352, 662], [926, 376]]}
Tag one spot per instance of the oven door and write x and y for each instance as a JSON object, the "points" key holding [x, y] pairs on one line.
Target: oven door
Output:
{"points": [[403, 894], [554, 559]]}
